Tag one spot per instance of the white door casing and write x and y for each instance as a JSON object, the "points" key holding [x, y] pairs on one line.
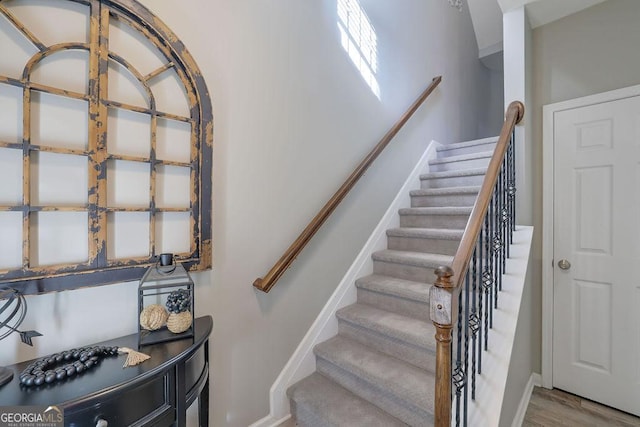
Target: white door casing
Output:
{"points": [[591, 323]]}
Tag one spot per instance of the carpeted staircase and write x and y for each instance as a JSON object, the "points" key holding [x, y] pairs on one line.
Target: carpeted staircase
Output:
{"points": [[379, 369]]}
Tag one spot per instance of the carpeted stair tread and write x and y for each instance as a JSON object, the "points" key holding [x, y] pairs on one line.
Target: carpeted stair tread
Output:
{"points": [[467, 144], [461, 158], [445, 191], [417, 259], [396, 326], [320, 402], [426, 233], [379, 369], [449, 210], [417, 291], [407, 385], [454, 173]]}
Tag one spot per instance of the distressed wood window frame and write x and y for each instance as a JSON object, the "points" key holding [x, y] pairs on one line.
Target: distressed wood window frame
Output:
{"points": [[99, 269]]}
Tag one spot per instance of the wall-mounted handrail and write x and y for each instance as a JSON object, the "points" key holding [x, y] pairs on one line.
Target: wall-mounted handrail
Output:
{"points": [[269, 280], [445, 294]]}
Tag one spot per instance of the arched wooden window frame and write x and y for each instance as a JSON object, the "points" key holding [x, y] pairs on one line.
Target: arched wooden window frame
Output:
{"points": [[99, 269]]}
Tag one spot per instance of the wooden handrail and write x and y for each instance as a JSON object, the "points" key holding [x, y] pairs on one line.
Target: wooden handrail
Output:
{"points": [[269, 280], [513, 116], [448, 285]]}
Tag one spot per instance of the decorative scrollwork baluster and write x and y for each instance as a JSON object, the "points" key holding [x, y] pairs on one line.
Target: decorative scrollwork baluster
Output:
{"points": [[474, 323], [481, 317], [459, 380], [458, 377], [467, 286]]}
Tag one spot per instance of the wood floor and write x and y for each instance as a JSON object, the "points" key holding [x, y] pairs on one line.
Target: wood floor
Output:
{"points": [[550, 408]]}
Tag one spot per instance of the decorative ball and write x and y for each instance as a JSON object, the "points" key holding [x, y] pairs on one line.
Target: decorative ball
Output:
{"points": [[153, 317], [179, 322], [179, 301]]}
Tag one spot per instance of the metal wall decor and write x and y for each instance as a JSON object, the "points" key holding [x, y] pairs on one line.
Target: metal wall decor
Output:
{"points": [[100, 268]]}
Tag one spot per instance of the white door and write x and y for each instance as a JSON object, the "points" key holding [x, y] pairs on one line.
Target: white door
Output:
{"points": [[596, 316]]}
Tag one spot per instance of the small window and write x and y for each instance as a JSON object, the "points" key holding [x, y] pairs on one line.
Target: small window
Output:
{"points": [[359, 40]]}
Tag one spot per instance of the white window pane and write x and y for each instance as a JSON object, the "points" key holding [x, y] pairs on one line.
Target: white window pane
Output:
{"points": [[10, 176], [11, 241], [68, 69], [129, 133], [173, 187], [170, 94], [173, 233], [173, 140], [38, 16], [127, 235], [11, 117], [125, 88], [58, 179], [58, 121], [59, 238], [128, 184]]}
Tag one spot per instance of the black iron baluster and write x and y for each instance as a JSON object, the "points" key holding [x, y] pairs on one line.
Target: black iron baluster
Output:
{"points": [[513, 180], [487, 277], [457, 377], [467, 285], [504, 217], [473, 319], [511, 189], [481, 245], [495, 249], [500, 229]]}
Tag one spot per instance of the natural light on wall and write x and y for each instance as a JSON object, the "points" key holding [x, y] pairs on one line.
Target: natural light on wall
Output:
{"points": [[359, 41]]}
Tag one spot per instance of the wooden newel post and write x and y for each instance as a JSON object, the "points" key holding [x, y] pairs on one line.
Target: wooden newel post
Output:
{"points": [[441, 315], [442, 407]]}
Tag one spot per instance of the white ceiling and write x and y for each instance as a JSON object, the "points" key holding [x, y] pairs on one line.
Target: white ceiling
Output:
{"points": [[486, 16], [542, 12]]}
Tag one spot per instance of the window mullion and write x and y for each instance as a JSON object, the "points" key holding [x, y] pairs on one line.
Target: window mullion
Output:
{"points": [[26, 177], [98, 116]]}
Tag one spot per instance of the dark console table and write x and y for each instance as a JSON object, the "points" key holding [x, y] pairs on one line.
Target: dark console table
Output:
{"points": [[154, 393]]}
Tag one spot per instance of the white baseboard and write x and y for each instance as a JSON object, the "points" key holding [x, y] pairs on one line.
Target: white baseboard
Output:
{"points": [[534, 380], [270, 421], [302, 363]]}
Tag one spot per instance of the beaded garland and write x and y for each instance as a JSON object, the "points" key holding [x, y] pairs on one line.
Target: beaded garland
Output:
{"points": [[78, 360]]}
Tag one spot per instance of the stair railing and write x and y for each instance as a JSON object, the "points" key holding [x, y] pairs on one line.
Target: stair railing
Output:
{"points": [[466, 293], [269, 280]]}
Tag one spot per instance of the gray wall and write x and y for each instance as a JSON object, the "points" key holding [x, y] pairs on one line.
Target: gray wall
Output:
{"points": [[292, 118], [589, 52]]}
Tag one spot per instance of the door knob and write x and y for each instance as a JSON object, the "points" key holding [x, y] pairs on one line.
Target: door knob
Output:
{"points": [[564, 264]]}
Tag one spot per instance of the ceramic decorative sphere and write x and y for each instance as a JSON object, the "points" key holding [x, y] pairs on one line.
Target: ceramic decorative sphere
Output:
{"points": [[153, 317]]}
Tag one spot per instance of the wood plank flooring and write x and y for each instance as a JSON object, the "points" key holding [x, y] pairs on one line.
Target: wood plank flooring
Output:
{"points": [[551, 408]]}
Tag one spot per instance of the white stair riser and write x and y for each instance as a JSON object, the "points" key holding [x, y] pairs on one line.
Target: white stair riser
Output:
{"points": [[394, 304], [434, 200], [434, 221], [481, 162], [416, 356], [417, 244], [454, 181], [480, 148]]}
